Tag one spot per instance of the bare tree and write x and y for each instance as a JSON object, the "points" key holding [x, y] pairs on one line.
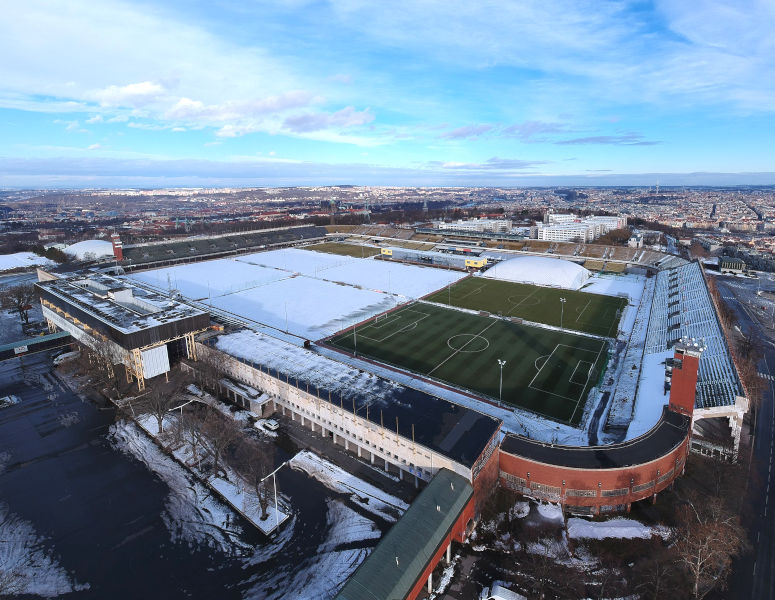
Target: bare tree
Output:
{"points": [[19, 299], [189, 426], [255, 463], [163, 396], [709, 533], [221, 433], [208, 372]]}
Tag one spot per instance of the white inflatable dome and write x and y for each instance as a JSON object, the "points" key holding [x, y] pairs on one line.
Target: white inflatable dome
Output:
{"points": [[540, 270], [90, 249]]}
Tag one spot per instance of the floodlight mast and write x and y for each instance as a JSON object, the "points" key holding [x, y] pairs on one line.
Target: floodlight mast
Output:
{"points": [[501, 363], [562, 310]]}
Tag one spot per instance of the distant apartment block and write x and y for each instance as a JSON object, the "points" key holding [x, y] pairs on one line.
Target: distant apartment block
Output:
{"points": [[570, 227], [480, 225]]}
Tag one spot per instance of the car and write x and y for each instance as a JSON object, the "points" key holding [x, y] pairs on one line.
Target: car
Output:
{"points": [[271, 425], [8, 400]]}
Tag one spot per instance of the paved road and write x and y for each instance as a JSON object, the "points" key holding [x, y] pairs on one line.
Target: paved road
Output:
{"points": [[754, 574]]}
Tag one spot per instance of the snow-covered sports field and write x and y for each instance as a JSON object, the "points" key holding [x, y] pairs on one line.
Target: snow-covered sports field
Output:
{"points": [[310, 294]]}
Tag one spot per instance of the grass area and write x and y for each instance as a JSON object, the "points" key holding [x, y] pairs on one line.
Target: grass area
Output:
{"points": [[594, 264], [590, 313], [547, 372], [344, 249], [612, 267]]}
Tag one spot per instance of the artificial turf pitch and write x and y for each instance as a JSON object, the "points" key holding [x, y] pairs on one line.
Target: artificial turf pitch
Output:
{"points": [[353, 250], [548, 372], [590, 313]]}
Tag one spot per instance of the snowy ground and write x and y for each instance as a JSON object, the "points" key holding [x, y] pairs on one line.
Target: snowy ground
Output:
{"points": [[364, 494], [410, 281], [616, 285], [231, 488], [23, 260], [27, 566], [613, 528], [310, 294], [192, 513], [334, 560]]}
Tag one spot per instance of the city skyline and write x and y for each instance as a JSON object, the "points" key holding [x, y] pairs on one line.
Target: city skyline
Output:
{"points": [[303, 93]]}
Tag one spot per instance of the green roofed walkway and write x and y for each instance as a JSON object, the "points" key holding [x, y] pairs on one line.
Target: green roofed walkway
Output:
{"points": [[401, 564], [36, 344]]}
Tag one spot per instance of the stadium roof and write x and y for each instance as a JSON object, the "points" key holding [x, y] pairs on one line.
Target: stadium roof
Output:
{"points": [[400, 558], [669, 432], [540, 270]]}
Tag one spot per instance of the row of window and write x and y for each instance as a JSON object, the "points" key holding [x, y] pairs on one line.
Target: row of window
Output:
{"points": [[332, 426]]}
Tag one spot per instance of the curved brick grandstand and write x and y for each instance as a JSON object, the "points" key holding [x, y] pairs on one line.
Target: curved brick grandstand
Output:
{"points": [[598, 479]]}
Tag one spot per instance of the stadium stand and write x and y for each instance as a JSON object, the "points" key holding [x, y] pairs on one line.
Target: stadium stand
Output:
{"points": [[208, 247], [682, 307]]}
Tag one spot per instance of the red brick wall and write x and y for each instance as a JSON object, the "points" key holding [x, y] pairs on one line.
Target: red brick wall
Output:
{"points": [[456, 534], [684, 383], [596, 480], [487, 477]]}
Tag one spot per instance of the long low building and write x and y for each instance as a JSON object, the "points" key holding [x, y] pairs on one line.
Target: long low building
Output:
{"points": [[403, 430]]}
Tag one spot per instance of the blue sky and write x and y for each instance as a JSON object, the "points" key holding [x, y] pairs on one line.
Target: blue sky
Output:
{"points": [[232, 92]]}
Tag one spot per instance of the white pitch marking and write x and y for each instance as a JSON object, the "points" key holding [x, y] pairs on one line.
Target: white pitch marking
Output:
{"points": [[582, 311], [494, 321]]}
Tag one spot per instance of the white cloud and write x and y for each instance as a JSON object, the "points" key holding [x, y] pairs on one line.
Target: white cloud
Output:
{"points": [[347, 117], [95, 147], [131, 95], [124, 54]]}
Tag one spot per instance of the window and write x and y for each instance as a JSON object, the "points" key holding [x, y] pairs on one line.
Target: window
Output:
{"points": [[643, 486], [616, 492], [546, 490]]}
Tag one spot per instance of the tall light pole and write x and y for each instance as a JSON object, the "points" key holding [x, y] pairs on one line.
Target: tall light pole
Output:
{"points": [[274, 483], [562, 310], [501, 363]]}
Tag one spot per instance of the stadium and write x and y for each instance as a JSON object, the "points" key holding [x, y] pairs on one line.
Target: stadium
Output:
{"points": [[568, 373]]}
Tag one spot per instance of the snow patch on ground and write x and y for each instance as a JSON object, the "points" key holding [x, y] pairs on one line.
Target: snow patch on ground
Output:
{"points": [[19, 260], [613, 528], [520, 510], [616, 285], [364, 494], [27, 566], [282, 288], [550, 512]]}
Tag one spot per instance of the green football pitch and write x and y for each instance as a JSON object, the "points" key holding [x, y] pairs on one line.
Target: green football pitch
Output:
{"points": [[548, 372], [590, 313]]}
